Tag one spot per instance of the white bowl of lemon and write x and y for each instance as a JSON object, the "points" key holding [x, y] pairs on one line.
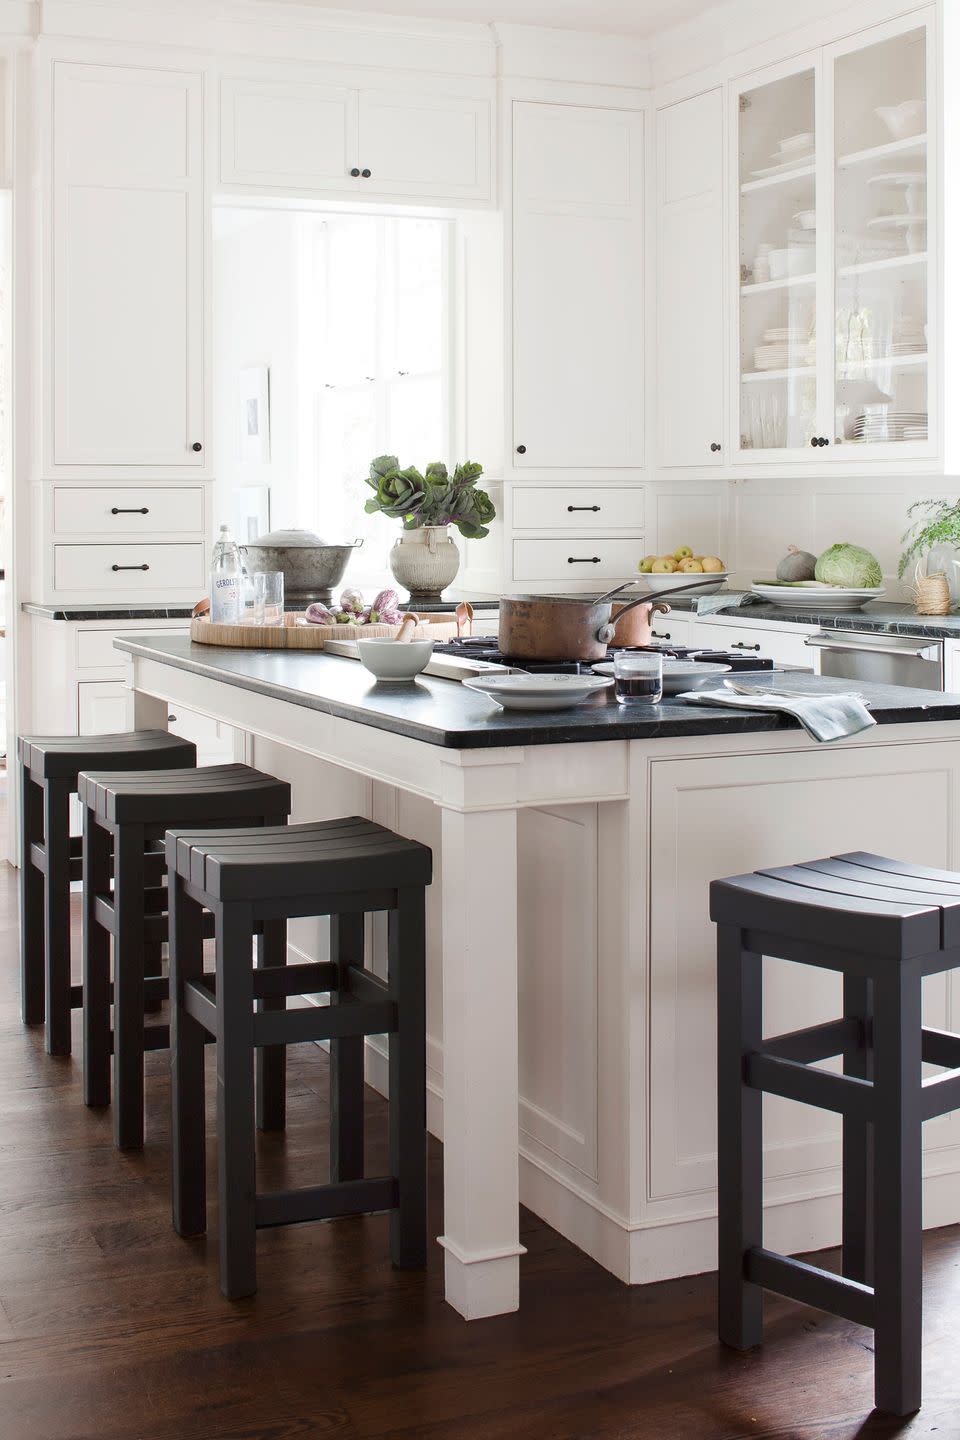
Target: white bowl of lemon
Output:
{"points": [[673, 569]]}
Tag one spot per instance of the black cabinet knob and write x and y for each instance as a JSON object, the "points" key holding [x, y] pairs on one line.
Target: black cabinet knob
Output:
{"points": [[824, 439], [365, 174], [196, 447], [521, 449], [715, 447], [815, 441], [355, 173]]}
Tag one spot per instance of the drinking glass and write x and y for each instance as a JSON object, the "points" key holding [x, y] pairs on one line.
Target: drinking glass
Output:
{"points": [[638, 677], [268, 597]]}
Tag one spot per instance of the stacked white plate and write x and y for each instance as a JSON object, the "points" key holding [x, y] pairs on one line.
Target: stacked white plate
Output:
{"points": [[811, 595], [539, 692], [790, 154], [890, 425]]}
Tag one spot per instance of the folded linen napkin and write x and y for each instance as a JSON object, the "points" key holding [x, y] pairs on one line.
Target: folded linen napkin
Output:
{"points": [[724, 600], [824, 717]]}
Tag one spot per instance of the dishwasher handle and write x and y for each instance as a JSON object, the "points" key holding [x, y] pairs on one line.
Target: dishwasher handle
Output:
{"points": [[929, 651]]}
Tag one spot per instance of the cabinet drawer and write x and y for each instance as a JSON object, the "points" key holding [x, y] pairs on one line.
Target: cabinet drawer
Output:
{"points": [[579, 558], [139, 510], [550, 508], [785, 646], [119, 568]]}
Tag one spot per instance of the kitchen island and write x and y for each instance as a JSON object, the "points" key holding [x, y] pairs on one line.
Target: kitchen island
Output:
{"points": [[570, 953]]}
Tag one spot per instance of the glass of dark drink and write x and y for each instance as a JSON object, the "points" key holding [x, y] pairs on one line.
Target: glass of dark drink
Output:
{"points": [[638, 677]]}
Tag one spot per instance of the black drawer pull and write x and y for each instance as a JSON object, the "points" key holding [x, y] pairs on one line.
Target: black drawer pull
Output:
{"points": [[147, 567], [742, 645], [133, 510], [583, 560], [595, 509], [657, 635]]}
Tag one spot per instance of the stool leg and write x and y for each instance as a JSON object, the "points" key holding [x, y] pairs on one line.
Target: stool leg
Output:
{"points": [[31, 901], [272, 1059], [128, 974], [858, 1143], [408, 1078], [235, 1102], [346, 1059], [96, 964], [56, 938], [898, 1187], [186, 1066], [740, 1138]]}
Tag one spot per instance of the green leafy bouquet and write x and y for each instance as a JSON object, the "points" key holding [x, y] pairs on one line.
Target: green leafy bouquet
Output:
{"points": [[941, 526], [433, 498]]}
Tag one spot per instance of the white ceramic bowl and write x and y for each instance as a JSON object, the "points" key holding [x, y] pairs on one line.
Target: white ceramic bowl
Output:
{"points": [[904, 120], [795, 143], [395, 659], [665, 583]]}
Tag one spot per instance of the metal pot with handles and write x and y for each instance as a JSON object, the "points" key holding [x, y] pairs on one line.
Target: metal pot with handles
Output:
{"points": [[311, 567], [562, 627]]}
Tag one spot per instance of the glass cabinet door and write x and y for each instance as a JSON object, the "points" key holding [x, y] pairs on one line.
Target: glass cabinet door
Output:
{"points": [[778, 263], [880, 243]]}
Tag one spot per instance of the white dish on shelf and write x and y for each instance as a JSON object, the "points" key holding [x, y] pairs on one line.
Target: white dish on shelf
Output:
{"points": [[713, 582], [796, 143], [539, 692], [903, 121], [810, 596], [806, 219], [798, 163]]}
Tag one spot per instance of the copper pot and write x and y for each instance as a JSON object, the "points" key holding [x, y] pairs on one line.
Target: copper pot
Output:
{"points": [[563, 627]]}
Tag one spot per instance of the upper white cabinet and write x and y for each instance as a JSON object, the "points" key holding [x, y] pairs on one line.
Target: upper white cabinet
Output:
{"points": [[578, 268], [834, 245], [365, 142], [690, 281], [127, 251]]}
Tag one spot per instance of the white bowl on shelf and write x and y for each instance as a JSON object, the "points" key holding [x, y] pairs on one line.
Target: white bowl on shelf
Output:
{"points": [[713, 581], [905, 120], [796, 144], [395, 660]]}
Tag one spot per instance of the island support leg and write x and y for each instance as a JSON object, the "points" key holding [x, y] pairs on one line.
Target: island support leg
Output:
{"points": [[480, 1071]]}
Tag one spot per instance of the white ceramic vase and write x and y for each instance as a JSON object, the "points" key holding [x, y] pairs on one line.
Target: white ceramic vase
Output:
{"points": [[425, 561]]}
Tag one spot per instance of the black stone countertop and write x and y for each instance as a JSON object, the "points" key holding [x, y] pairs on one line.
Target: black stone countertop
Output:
{"points": [[878, 616], [108, 612], [444, 712]]}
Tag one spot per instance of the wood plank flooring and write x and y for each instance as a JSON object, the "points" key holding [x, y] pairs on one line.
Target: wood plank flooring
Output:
{"points": [[112, 1328]]}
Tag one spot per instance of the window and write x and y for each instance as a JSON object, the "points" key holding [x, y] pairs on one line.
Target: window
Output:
{"points": [[378, 362]]}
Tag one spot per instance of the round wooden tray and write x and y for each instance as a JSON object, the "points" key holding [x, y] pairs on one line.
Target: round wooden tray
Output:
{"points": [[294, 636]]}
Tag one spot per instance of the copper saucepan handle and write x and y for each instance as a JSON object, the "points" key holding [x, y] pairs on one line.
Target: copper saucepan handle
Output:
{"points": [[657, 607]]}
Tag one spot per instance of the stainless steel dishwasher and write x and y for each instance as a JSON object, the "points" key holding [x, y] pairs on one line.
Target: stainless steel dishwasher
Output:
{"points": [[880, 659]]}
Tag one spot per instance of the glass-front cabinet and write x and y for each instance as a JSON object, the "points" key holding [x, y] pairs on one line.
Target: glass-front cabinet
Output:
{"points": [[834, 346]]}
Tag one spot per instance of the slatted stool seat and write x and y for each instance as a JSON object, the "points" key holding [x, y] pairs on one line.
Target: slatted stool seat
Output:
{"points": [[883, 925], [51, 858], [131, 813], [345, 869]]}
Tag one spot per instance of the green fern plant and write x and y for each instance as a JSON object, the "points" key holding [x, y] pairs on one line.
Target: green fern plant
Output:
{"points": [[937, 522]]}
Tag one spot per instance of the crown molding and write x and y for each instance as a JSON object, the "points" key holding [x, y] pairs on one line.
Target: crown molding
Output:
{"points": [[533, 52]]}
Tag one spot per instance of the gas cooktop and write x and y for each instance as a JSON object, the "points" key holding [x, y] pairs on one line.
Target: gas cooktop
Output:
{"points": [[485, 649]]}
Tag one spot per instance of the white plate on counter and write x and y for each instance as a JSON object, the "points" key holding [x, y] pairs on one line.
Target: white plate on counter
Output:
{"points": [[678, 674], [810, 597], [539, 692]]}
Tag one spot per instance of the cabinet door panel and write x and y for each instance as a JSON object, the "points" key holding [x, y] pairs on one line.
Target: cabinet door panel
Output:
{"points": [[690, 281], [127, 246], [424, 144], [285, 134], [104, 707], [577, 287]]}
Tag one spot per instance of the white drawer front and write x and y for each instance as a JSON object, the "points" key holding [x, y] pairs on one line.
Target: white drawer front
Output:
{"points": [[586, 511], [120, 568], [96, 650], [139, 510], [579, 558], [785, 646]]}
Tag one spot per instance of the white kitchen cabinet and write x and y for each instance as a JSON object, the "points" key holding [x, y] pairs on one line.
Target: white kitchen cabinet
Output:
{"points": [[578, 268], [104, 707], [834, 252], [690, 281], [368, 142], [783, 643], [127, 242]]}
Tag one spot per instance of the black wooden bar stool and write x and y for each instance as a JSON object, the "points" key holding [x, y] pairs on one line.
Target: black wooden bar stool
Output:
{"points": [[883, 925], [50, 858], [132, 812], [344, 869]]}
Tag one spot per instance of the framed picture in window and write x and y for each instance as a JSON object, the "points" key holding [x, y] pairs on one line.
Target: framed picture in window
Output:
{"points": [[253, 428]]}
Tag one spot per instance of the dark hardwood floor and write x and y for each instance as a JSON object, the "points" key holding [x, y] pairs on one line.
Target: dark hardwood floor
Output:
{"points": [[112, 1328]]}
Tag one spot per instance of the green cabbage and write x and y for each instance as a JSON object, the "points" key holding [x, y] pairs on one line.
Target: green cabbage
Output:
{"points": [[849, 565]]}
